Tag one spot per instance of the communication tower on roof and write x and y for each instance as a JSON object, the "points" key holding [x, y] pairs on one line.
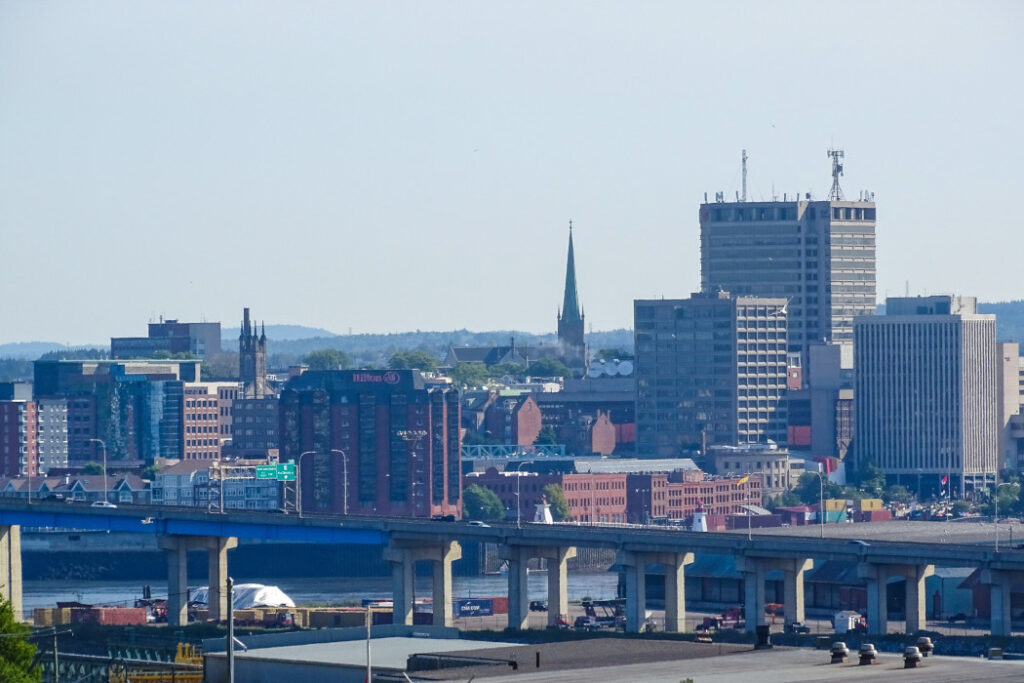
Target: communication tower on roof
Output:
{"points": [[836, 193], [744, 162]]}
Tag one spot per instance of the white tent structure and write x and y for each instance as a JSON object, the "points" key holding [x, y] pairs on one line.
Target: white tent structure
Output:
{"points": [[248, 595]]}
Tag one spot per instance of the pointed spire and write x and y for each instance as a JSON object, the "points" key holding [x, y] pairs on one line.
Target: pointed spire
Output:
{"points": [[571, 304]]}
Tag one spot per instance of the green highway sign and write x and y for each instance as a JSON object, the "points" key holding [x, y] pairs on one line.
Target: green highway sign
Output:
{"points": [[281, 472], [266, 472]]}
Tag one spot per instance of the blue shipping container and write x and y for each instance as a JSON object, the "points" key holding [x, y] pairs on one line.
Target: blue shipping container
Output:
{"points": [[474, 607]]}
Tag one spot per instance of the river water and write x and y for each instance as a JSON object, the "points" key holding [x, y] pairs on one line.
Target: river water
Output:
{"points": [[597, 585]]}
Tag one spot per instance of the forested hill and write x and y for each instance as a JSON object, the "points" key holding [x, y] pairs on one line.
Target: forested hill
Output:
{"points": [[1009, 319], [375, 349]]}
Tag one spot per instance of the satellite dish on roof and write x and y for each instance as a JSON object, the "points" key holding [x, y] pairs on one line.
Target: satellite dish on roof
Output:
{"points": [[611, 369], [625, 368], [595, 370]]}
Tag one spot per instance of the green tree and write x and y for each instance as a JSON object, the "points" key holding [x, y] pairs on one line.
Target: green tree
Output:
{"points": [[1008, 495], [327, 359], [16, 652], [92, 468], [559, 505], [482, 504], [961, 506], [222, 367], [785, 499], [473, 438], [469, 375], [808, 489], [548, 367], [167, 355], [547, 436], [871, 479], [503, 369], [897, 493], [613, 354], [413, 360]]}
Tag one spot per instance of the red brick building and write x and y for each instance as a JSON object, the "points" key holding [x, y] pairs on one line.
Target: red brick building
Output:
{"points": [[19, 448], [620, 497], [719, 496], [597, 497], [398, 441], [513, 420]]}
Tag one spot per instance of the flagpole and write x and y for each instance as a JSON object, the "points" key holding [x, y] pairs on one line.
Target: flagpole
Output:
{"points": [[746, 496]]}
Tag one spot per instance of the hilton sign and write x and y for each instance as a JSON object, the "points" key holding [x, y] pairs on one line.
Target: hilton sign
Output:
{"points": [[375, 378]]}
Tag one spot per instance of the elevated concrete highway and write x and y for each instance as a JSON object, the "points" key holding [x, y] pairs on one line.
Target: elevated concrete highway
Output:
{"points": [[881, 550]]}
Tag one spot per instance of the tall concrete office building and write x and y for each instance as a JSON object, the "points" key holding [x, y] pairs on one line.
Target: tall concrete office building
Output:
{"points": [[926, 392], [710, 370], [817, 255]]}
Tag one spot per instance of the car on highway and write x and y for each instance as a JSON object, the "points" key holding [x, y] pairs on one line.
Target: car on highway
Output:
{"points": [[103, 504], [477, 522]]}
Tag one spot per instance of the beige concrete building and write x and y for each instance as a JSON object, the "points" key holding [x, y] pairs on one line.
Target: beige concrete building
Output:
{"points": [[767, 461], [819, 256], [709, 369], [927, 393]]}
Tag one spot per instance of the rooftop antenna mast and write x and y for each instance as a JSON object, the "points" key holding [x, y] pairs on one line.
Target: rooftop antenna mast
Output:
{"points": [[836, 193], [744, 164]]}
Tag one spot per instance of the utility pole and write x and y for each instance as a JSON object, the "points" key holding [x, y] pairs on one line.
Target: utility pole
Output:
{"points": [[369, 666], [231, 631], [56, 662]]}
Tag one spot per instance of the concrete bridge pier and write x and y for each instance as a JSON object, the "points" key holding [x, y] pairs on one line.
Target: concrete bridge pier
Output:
{"points": [[635, 564], [10, 567], [999, 583], [403, 556], [557, 558], [754, 569], [877, 576], [177, 548]]}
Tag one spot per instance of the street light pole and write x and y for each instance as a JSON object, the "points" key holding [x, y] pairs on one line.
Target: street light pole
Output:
{"points": [[519, 501], [102, 443], [344, 465], [821, 504], [298, 479], [298, 482], [995, 502], [412, 437]]}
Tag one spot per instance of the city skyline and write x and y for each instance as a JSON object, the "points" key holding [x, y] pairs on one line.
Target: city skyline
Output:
{"points": [[248, 151]]}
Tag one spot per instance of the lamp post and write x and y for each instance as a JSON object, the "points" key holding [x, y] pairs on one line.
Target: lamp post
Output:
{"points": [[821, 503], [590, 485], [103, 444], [411, 437], [995, 502], [519, 507], [298, 481], [344, 469]]}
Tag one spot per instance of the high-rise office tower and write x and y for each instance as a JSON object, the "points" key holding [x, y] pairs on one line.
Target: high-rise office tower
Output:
{"points": [[817, 255], [926, 393], [710, 370]]}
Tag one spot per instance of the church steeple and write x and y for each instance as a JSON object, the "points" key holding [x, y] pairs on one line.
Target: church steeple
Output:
{"points": [[570, 318], [571, 303]]}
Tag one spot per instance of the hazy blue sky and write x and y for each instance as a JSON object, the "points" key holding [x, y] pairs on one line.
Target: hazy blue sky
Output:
{"points": [[388, 166]]}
